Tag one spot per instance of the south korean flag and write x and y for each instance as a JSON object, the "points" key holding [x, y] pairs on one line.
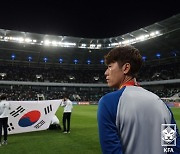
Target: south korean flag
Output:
{"points": [[28, 116]]}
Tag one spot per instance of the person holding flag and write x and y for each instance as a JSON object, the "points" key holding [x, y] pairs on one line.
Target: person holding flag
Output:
{"points": [[67, 104], [4, 113]]}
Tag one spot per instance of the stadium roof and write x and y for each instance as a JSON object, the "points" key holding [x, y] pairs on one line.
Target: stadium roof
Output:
{"points": [[163, 27], [166, 42]]}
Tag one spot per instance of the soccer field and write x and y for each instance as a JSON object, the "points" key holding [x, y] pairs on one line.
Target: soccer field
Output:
{"points": [[83, 138]]}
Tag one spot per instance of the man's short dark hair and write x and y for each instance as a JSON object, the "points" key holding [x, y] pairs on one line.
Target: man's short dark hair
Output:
{"points": [[125, 54]]}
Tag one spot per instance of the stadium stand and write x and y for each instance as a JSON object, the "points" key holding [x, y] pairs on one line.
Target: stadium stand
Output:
{"points": [[29, 67]]}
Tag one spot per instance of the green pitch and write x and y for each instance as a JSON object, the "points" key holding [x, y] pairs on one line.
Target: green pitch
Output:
{"points": [[176, 112], [83, 138]]}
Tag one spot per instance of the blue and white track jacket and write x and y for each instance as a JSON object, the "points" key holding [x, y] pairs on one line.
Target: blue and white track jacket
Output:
{"points": [[129, 122]]}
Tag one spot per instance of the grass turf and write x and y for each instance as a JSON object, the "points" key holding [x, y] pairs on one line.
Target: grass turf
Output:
{"points": [[83, 138]]}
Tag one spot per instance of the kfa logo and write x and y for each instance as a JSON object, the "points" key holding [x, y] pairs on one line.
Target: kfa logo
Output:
{"points": [[168, 136]]}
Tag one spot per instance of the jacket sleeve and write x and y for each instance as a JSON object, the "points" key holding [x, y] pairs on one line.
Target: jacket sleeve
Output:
{"points": [[109, 139]]}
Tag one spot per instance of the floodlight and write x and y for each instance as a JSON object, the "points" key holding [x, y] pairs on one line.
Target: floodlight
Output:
{"points": [[102, 61], [75, 61], [13, 56], [96, 78], [60, 60], [152, 34], [158, 55], [29, 58], [144, 58], [3, 75], [54, 43], [45, 59], [88, 61], [38, 76], [21, 40], [28, 40], [83, 45], [47, 42]]}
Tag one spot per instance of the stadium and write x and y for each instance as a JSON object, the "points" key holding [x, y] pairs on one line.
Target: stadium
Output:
{"points": [[39, 66]]}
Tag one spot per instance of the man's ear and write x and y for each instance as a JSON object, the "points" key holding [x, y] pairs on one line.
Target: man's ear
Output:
{"points": [[126, 67]]}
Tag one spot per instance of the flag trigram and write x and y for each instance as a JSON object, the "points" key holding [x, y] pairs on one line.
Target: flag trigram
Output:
{"points": [[18, 110], [10, 127], [42, 122], [48, 109]]}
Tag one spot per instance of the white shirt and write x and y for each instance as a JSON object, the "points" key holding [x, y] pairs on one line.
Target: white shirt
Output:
{"points": [[4, 109], [67, 105]]}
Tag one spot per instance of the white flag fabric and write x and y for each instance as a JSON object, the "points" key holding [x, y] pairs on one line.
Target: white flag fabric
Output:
{"points": [[28, 116]]}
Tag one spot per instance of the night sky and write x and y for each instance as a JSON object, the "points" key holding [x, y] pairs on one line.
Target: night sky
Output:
{"points": [[87, 19]]}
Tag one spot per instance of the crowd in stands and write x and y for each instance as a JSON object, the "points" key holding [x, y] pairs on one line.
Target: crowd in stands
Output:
{"points": [[59, 75], [27, 93], [160, 72], [166, 92], [19, 73]]}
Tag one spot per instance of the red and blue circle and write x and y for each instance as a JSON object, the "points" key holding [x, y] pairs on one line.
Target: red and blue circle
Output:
{"points": [[29, 118]]}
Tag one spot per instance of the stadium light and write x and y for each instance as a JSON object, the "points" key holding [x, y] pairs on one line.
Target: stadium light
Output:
{"points": [[2, 75], [96, 78], [60, 60], [29, 58], [75, 61], [114, 44], [99, 46], [138, 38], [67, 44], [71, 77], [88, 61], [174, 53], [152, 34], [28, 40], [144, 58], [21, 40], [83, 45], [102, 61], [38, 77], [54, 43], [45, 59], [92, 46], [47, 42], [60, 42], [158, 55], [13, 56]]}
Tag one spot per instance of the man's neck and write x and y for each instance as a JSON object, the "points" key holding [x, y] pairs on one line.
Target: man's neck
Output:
{"points": [[128, 80]]}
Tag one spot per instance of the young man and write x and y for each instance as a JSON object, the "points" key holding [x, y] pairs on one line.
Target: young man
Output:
{"points": [[67, 104], [4, 112], [129, 119]]}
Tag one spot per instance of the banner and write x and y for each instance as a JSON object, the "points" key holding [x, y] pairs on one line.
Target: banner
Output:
{"points": [[28, 116], [83, 103]]}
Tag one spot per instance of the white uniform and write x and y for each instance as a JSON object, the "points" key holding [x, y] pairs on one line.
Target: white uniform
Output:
{"points": [[4, 108], [67, 115], [67, 105]]}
